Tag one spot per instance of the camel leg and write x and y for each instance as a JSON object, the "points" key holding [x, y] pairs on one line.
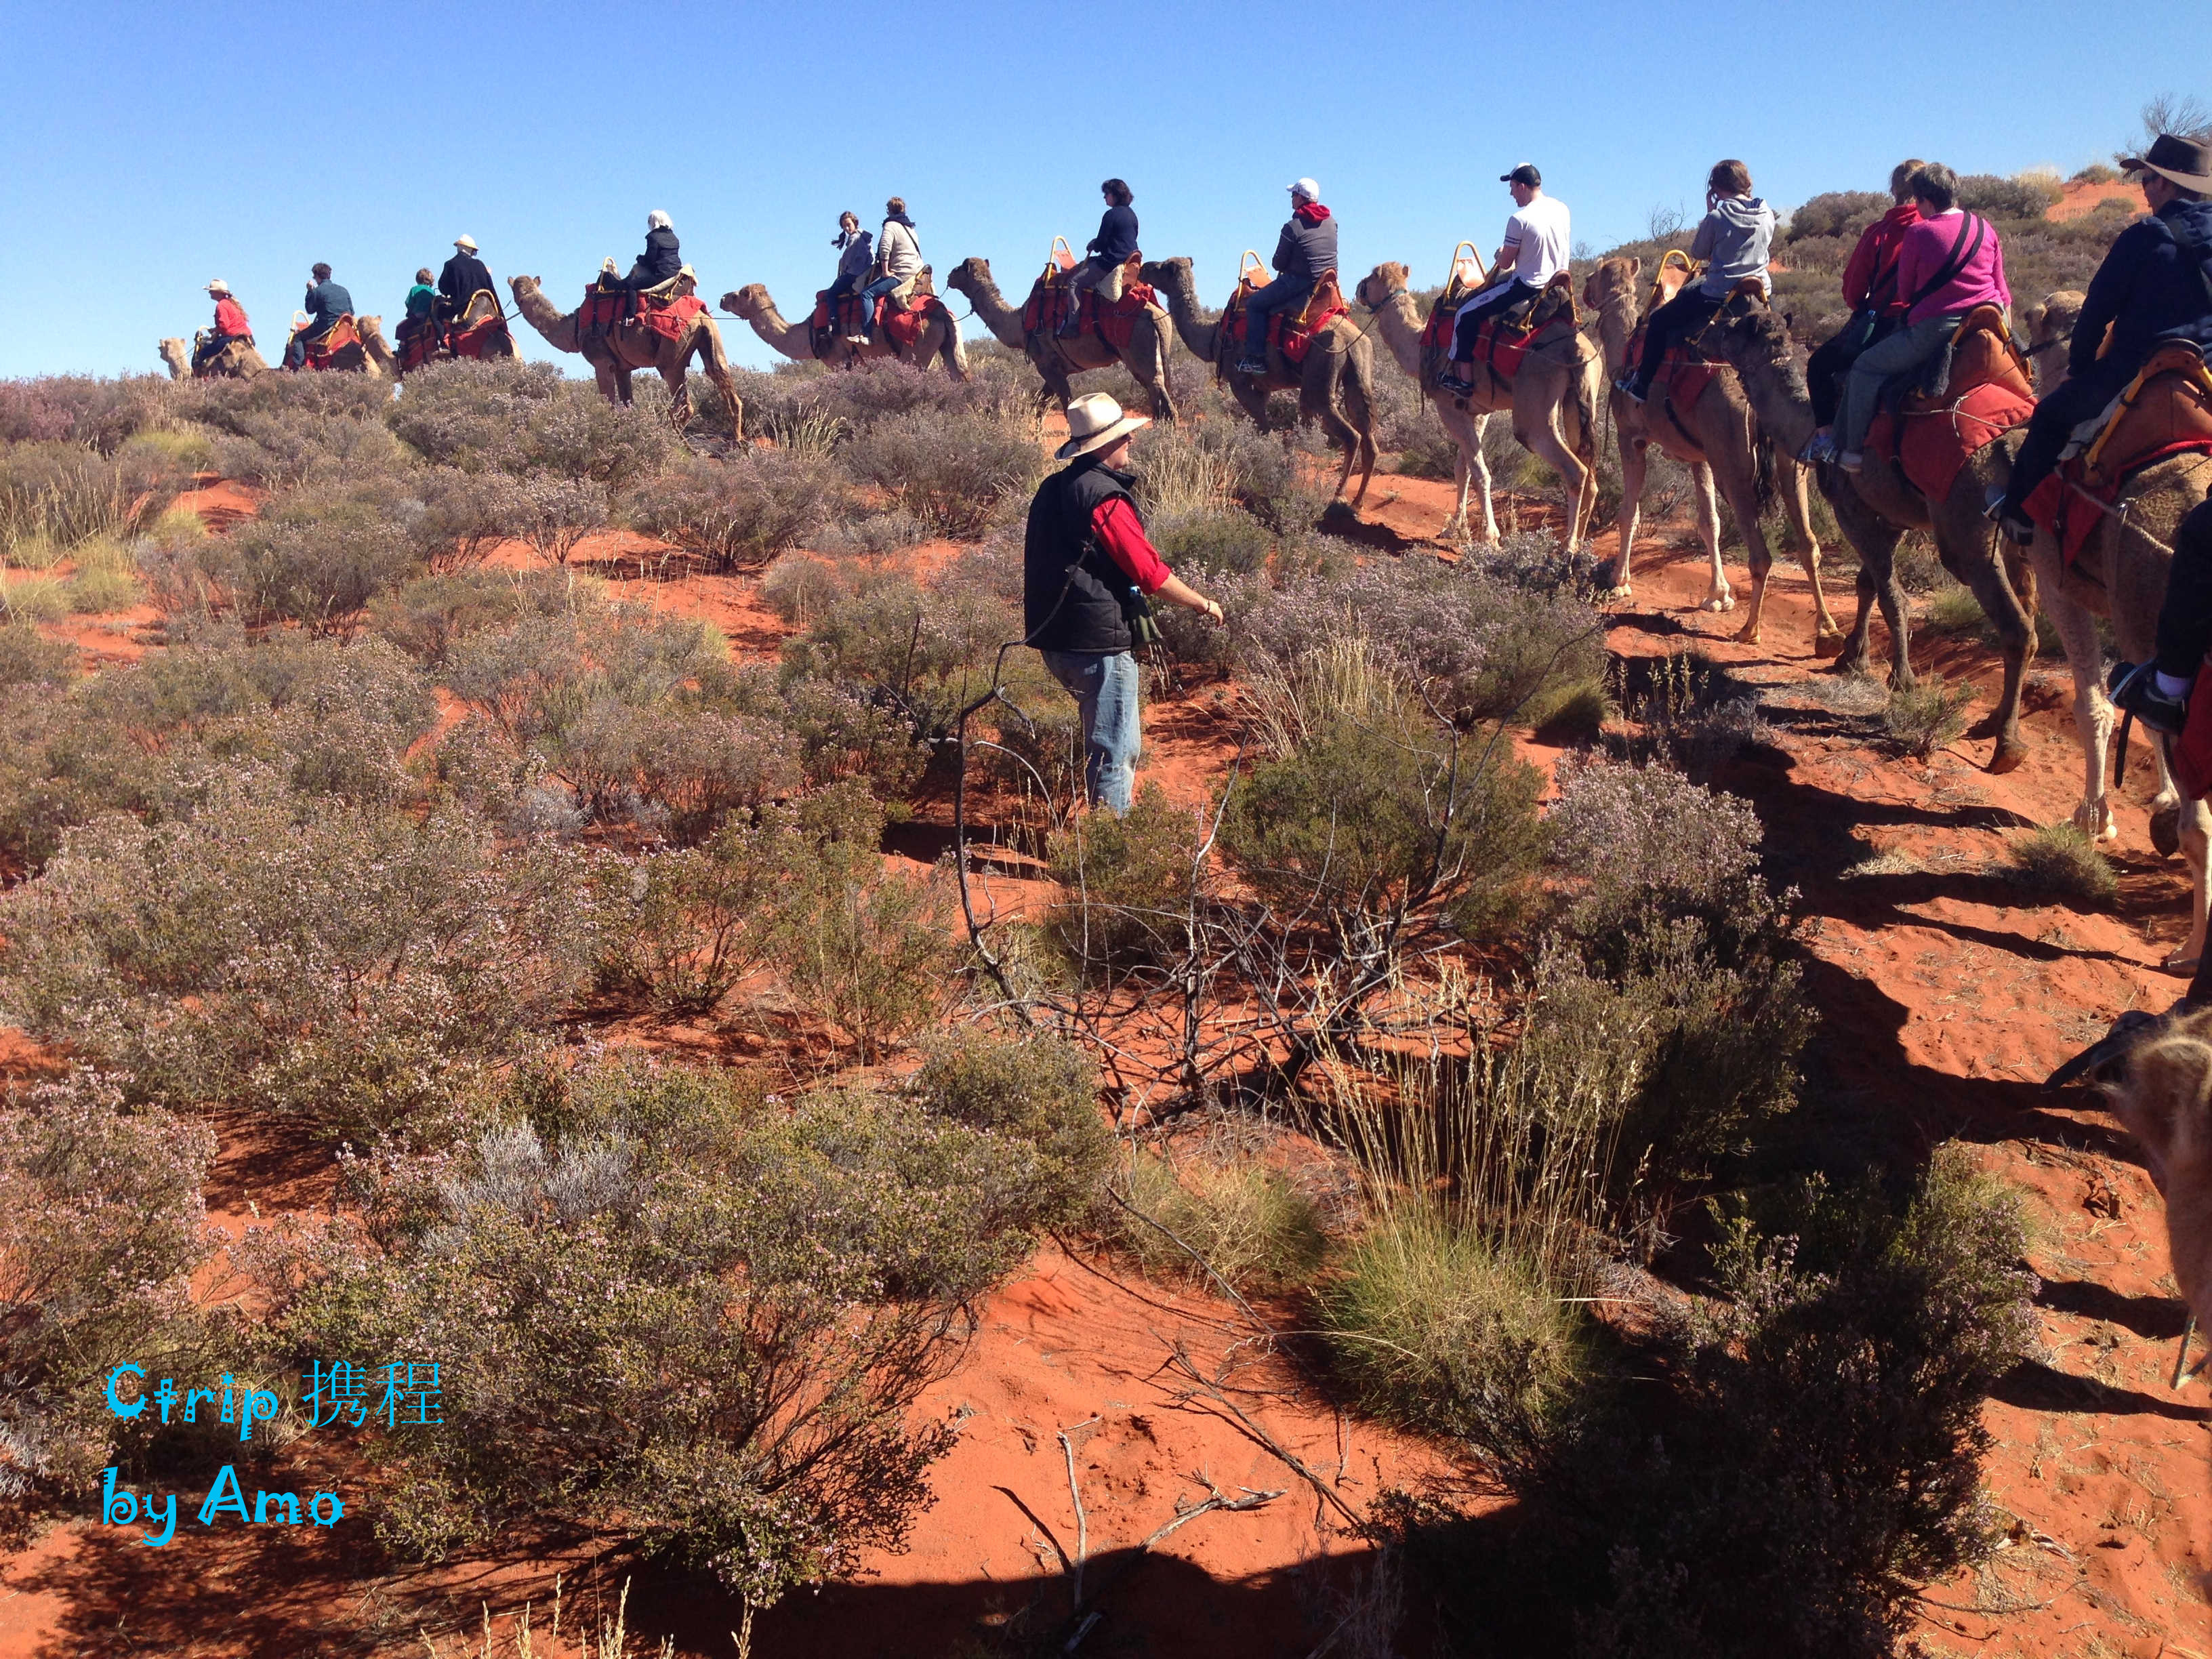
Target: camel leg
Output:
{"points": [[1464, 426], [1706, 508], [1827, 637], [1541, 439], [2093, 710], [1635, 466], [1153, 371], [717, 365], [614, 381], [1875, 539], [2196, 842], [1743, 501], [1976, 565], [1341, 431], [679, 394]]}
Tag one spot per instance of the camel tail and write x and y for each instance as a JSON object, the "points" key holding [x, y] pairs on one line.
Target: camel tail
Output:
{"points": [[955, 351], [1587, 394]]}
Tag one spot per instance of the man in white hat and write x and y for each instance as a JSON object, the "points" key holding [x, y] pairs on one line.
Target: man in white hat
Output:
{"points": [[230, 325], [1306, 249], [1088, 568], [464, 277]]}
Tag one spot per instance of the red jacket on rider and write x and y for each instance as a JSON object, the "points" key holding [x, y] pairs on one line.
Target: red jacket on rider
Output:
{"points": [[230, 318], [1870, 278]]}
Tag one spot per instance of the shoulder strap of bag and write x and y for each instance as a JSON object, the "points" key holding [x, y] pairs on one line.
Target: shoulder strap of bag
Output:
{"points": [[1960, 256], [2200, 247]]}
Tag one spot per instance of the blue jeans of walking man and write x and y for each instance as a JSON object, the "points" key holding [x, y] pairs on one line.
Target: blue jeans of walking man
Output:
{"points": [[1104, 684]]}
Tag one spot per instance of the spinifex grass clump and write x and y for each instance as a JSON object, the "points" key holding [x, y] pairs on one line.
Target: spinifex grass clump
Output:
{"points": [[1219, 1212], [1927, 716], [2059, 861]]}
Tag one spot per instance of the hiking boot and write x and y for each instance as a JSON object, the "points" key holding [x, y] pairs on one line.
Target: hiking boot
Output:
{"points": [[1250, 366], [2133, 687], [1626, 387], [2013, 525], [1820, 446], [1453, 384], [1852, 461]]}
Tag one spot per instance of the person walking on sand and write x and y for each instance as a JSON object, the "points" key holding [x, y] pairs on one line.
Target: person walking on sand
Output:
{"points": [[1088, 568]]}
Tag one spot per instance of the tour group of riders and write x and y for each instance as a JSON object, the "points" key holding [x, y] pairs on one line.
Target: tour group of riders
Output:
{"points": [[1911, 279]]}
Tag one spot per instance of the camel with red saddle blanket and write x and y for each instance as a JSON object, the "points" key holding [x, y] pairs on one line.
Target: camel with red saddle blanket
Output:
{"points": [[353, 346], [1936, 476], [1322, 355], [1697, 414], [923, 333], [478, 333], [237, 360], [666, 338], [2103, 539], [1548, 378], [1133, 330]]}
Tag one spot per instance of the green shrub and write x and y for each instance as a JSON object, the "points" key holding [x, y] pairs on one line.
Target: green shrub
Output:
{"points": [[1225, 539], [316, 556], [56, 496], [746, 1404], [2096, 174], [1843, 213], [528, 419], [1927, 716], [954, 473], [101, 1229], [29, 658], [1129, 883], [427, 616], [2059, 861], [870, 950], [1037, 1089], [25, 600], [1435, 1330], [926, 652], [740, 511], [1247, 1222], [2024, 197], [299, 955]]}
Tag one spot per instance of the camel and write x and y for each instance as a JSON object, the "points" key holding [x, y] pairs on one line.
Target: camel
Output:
{"points": [[1878, 506], [236, 361], [1058, 359], [1336, 384], [2156, 1071], [615, 354], [1553, 399], [939, 337], [2120, 575], [1719, 433]]}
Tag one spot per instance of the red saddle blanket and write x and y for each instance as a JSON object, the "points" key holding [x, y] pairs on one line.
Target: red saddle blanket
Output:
{"points": [[476, 338], [1292, 336], [669, 319], [2191, 754], [343, 336], [1684, 373], [1991, 392], [2167, 411], [904, 325]]}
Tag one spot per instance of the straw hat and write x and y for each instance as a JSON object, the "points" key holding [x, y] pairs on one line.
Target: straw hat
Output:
{"points": [[1095, 421], [2184, 161], [466, 244], [219, 286]]}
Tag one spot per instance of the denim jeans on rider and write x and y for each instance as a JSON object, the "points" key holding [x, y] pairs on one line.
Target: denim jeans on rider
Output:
{"points": [[1899, 353], [869, 295], [1281, 294], [1104, 684]]}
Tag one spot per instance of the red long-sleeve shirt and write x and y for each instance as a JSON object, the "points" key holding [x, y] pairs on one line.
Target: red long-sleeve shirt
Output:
{"points": [[230, 318], [1121, 533], [1874, 261]]}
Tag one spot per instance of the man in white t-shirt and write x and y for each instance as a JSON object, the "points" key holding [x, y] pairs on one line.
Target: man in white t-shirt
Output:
{"points": [[1535, 249]]}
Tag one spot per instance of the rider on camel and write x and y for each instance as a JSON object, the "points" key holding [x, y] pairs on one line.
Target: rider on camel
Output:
{"points": [[2154, 285], [898, 262], [464, 277], [663, 259], [230, 325], [1109, 250], [326, 303], [855, 254], [1306, 249], [1949, 265], [422, 304], [1870, 291], [1733, 239], [1536, 248]]}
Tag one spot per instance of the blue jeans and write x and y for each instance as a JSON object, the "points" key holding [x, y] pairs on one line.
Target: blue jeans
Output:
{"points": [[1281, 294], [1897, 354], [873, 292], [1104, 684]]}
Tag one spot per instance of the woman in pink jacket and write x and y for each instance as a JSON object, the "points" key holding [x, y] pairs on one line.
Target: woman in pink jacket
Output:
{"points": [[1950, 262]]}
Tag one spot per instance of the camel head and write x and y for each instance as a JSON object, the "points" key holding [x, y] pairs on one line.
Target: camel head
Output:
{"points": [[749, 302], [2156, 1071], [1615, 277], [2050, 331], [1752, 336], [971, 273], [179, 357], [1379, 285], [518, 283]]}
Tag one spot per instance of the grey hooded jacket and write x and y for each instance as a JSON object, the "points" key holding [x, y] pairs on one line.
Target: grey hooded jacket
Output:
{"points": [[1734, 237]]}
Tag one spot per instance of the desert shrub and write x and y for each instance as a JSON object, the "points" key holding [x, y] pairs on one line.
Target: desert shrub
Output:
{"points": [[553, 514], [2096, 174], [744, 511], [2003, 198], [538, 672], [54, 497], [677, 769], [101, 1229], [1246, 1221], [2059, 861], [954, 473], [870, 949], [1037, 1089], [81, 408], [316, 556], [873, 533], [1840, 213], [1128, 882], [843, 731], [1706, 1517], [26, 600], [427, 616], [1435, 1329], [298, 955], [102, 580], [791, 1284], [1927, 716], [1224, 539], [800, 587], [529, 419], [29, 658], [927, 652]]}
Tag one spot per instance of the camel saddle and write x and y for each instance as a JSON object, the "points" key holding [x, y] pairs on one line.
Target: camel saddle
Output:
{"points": [[669, 318], [1291, 335], [342, 335], [1054, 297], [1503, 340], [1932, 422], [2165, 410], [481, 322]]}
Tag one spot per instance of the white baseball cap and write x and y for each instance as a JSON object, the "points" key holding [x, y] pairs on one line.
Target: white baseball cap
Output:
{"points": [[1307, 188]]}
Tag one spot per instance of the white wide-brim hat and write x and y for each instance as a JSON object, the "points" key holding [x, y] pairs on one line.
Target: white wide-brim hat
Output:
{"points": [[218, 286], [1307, 188], [466, 244], [1095, 421]]}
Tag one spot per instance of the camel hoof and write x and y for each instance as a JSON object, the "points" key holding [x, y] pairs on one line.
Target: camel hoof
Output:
{"points": [[1718, 602], [2008, 756], [2166, 830], [1748, 634], [1829, 643], [2094, 819], [1621, 595]]}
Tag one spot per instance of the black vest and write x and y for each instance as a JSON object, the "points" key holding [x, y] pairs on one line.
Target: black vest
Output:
{"points": [[1070, 587]]}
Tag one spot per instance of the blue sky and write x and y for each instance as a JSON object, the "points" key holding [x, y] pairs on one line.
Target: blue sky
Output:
{"points": [[152, 147]]}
